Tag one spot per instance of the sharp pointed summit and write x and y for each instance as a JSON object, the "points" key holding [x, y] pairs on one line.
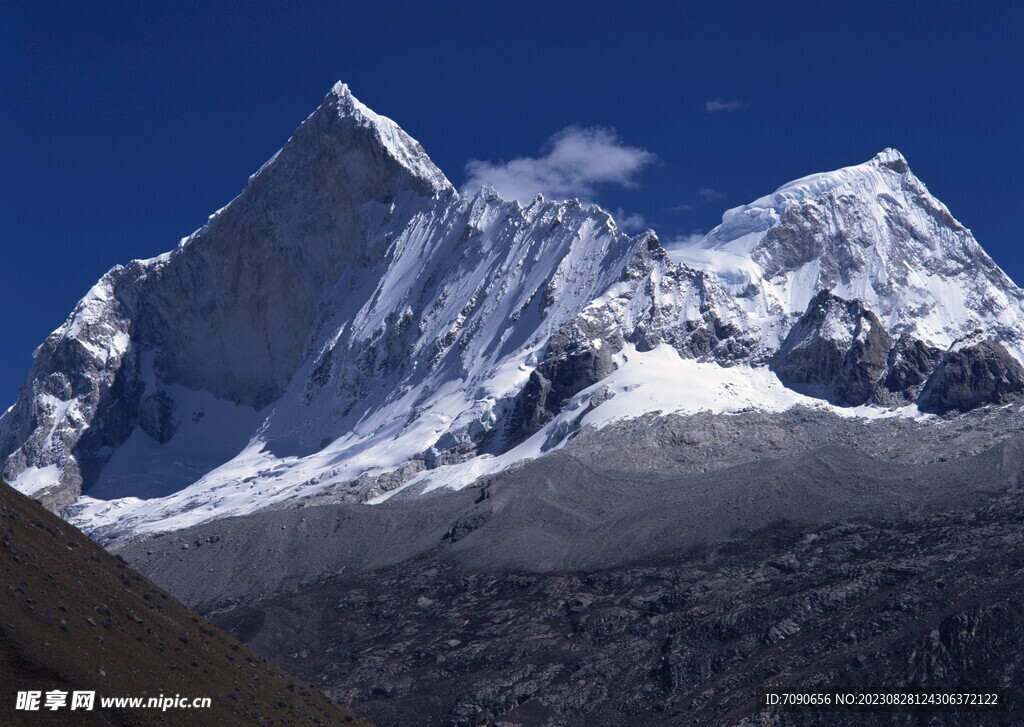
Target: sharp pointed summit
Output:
{"points": [[891, 159], [342, 105]]}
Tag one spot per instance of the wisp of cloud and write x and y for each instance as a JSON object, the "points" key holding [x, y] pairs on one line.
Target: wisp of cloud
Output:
{"points": [[573, 163], [720, 104]]}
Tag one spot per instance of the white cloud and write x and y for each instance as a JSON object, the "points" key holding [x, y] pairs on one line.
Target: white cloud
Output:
{"points": [[632, 223], [685, 241], [722, 104], [682, 242], [573, 163], [679, 248], [707, 194]]}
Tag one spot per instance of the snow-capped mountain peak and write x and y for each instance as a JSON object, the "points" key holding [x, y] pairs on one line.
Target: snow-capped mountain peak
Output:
{"points": [[871, 232], [398, 144], [891, 158], [350, 323]]}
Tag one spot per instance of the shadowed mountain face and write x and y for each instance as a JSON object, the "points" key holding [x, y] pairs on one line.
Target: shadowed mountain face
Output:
{"points": [[74, 617]]}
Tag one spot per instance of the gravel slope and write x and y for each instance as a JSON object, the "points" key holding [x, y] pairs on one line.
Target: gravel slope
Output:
{"points": [[612, 498], [658, 573]]}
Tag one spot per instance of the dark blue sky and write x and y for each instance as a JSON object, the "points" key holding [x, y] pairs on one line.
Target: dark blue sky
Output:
{"points": [[125, 124]]}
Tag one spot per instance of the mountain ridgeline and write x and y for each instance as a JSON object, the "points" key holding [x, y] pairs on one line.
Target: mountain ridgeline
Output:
{"points": [[352, 325]]}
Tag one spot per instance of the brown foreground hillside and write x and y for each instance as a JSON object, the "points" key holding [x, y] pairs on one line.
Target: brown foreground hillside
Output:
{"points": [[74, 617]]}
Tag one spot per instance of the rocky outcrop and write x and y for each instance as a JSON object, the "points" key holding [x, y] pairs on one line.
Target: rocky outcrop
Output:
{"points": [[660, 303], [688, 309], [838, 350], [972, 376], [911, 362], [576, 357], [157, 417], [82, 375]]}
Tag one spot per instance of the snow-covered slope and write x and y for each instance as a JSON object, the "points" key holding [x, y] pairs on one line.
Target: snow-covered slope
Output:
{"points": [[229, 311], [870, 232], [351, 323]]}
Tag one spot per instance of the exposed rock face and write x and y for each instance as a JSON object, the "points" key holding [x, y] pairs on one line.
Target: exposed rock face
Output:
{"points": [[838, 350], [77, 373], [575, 359], [660, 303], [229, 311], [972, 376], [910, 363], [157, 417], [688, 309]]}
